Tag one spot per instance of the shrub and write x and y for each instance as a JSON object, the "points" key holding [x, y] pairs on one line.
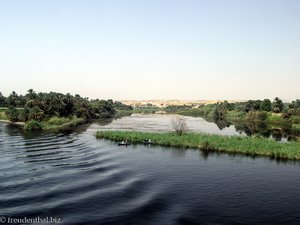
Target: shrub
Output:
{"points": [[261, 115], [256, 116], [57, 120], [179, 125], [36, 113], [33, 125], [12, 114], [24, 114]]}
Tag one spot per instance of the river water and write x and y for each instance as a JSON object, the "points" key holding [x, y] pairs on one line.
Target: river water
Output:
{"points": [[163, 123], [82, 180]]}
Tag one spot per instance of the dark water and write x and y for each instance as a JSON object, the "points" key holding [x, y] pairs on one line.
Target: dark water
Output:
{"points": [[87, 181]]}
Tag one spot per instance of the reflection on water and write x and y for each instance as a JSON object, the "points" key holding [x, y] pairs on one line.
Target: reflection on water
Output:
{"points": [[161, 123], [83, 180]]}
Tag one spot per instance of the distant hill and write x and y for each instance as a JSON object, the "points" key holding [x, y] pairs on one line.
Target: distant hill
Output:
{"points": [[165, 103]]}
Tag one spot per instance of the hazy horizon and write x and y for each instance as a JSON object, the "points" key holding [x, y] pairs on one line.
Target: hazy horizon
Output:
{"points": [[148, 50]]}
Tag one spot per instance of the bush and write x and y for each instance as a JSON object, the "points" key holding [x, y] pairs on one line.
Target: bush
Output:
{"points": [[36, 113], [179, 125], [3, 116], [12, 114], [296, 128], [256, 116], [261, 115], [24, 114], [33, 125], [57, 120]]}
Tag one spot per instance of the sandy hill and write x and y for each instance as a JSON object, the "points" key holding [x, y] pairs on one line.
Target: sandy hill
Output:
{"points": [[164, 103]]}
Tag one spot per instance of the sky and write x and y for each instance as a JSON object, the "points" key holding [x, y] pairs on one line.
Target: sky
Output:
{"points": [[151, 49]]}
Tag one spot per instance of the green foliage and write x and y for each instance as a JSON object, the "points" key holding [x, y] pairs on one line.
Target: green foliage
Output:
{"points": [[24, 114], [62, 123], [256, 116], [33, 125], [3, 109], [266, 105], [175, 108], [261, 115], [3, 116], [12, 114], [2, 101], [36, 113], [235, 115], [41, 106], [144, 110], [205, 111], [276, 118], [233, 144], [120, 106], [295, 119], [102, 109], [57, 120], [220, 111], [295, 104], [277, 105], [121, 113], [296, 127]]}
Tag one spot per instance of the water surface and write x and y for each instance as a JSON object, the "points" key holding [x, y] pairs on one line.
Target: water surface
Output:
{"points": [[88, 181]]}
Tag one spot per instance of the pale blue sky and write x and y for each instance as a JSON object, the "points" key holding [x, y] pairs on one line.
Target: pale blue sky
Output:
{"points": [[152, 49]]}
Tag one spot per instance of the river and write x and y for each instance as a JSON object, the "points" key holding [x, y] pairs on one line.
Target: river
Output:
{"points": [[81, 180]]}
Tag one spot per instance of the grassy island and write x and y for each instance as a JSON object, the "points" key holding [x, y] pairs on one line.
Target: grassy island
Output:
{"points": [[254, 146]]}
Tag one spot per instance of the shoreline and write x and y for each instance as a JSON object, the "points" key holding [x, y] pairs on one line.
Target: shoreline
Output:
{"points": [[14, 123], [250, 146]]}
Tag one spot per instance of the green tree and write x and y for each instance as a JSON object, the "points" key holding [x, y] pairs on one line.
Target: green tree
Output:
{"points": [[24, 114], [277, 105], [220, 111], [266, 105], [2, 100], [36, 113], [12, 114], [295, 104], [12, 99]]}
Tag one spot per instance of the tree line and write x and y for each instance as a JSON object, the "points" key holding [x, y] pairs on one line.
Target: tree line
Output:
{"points": [[257, 109], [41, 106]]}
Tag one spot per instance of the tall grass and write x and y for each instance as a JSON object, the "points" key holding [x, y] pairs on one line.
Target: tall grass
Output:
{"points": [[61, 123], [3, 109], [296, 127], [3, 116], [233, 144]]}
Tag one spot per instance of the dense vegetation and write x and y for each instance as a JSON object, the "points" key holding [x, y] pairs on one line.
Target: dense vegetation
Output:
{"points": [[252, 113], [248, 111], [253, 146], [49, 110]]}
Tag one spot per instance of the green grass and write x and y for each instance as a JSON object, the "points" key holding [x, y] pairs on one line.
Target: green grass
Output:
{"points": [[55, 123], [3, 116], [235, 116], [59, 123], [296, 127], [254, 146], [145, 110], [3, 109], [276, 118]]}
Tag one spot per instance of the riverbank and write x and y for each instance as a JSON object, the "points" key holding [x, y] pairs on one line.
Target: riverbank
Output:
{"points": [[254, 146], [14, 123], [53, 124], [62, 124]]}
